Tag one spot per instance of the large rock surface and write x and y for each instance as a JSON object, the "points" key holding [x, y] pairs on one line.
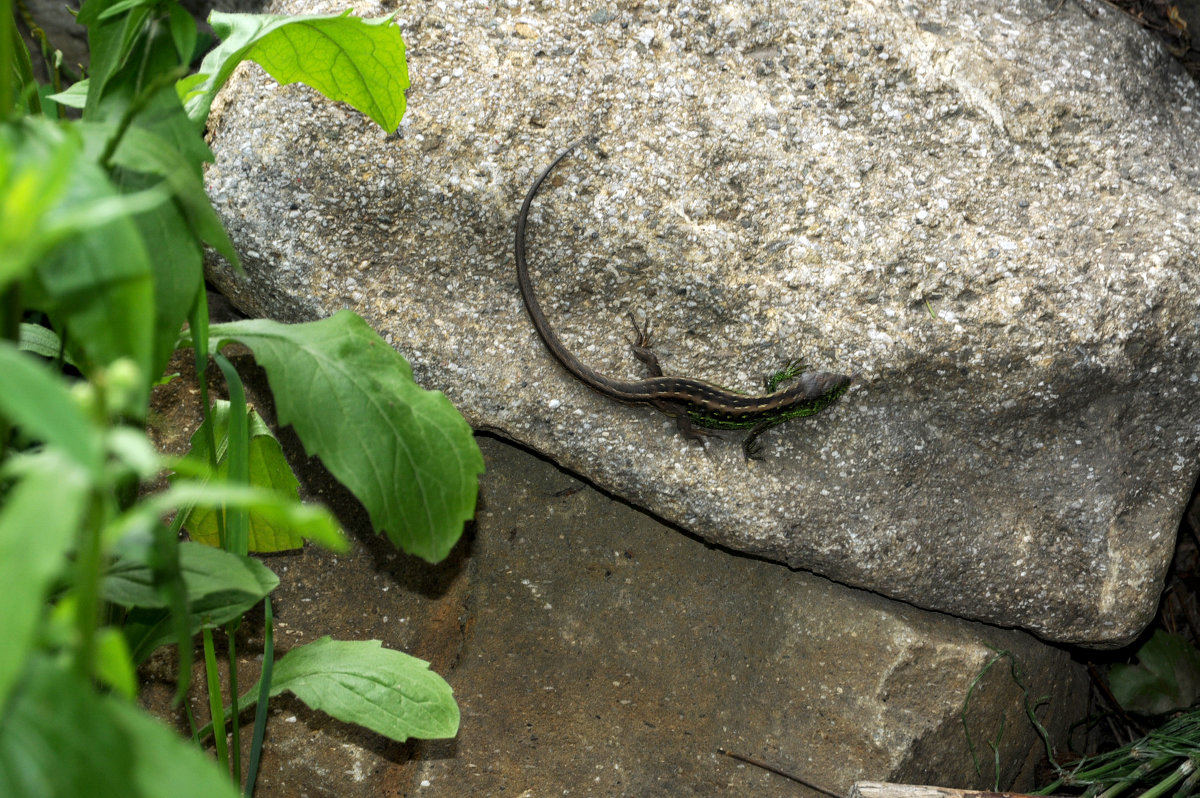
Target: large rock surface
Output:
{"points": [[990, 215]]}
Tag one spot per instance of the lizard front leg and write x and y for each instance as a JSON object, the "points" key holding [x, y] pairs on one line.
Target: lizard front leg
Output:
{"points": [[790, 371]]}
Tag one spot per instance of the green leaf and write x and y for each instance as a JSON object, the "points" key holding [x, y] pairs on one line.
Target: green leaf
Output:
{"points": [[177, 269], [237, 468], [183, 32], [74, 96], [269, 469], [38, 521], [405, 452], [111, 41], [1166, 678], [114, 667], [44, 756], [131, 449], [164, 765], [219, 584], [355, 61], [311, 522], [50, 192], [37, 161], [34, 398], [162, 142], [107, 302], [60, 739], [41, 341], [388, 692], [163, 149], [189, 86], [220, 587], [124, 5], [93, 274]]}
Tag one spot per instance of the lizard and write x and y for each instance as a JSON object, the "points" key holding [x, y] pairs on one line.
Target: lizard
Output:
{"points": [[697, 406]]}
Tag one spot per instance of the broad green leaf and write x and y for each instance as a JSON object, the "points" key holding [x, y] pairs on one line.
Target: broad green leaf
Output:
{"points": [[36, 164], [60, 739], [268, 469], [111, 41], [36, 400], [34, 174], [114, 667], [355, 61], [177, 268], [219, 584], [405, 452], [45, 755], [159, 148], [107, 302], [163, 141], [38, 521], [310, 521], [166, 766], [220, 587], [388, 692], [49, 192], [162, 148], [74, 96], [1166, 678], [40, 341], [93, 274], [183, 31]]}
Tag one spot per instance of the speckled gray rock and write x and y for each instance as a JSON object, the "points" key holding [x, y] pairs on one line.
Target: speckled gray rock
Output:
{"points": [[991, 217]]}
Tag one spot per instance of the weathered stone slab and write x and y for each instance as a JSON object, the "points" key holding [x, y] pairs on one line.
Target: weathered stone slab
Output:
{"points": [[992, 218], [607, 654], [595, 650]]}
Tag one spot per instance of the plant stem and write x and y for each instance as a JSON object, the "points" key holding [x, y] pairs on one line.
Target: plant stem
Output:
{"points": [[1140, 772], [88, 566], [198, 322], [7, 64], [237, 526], [264, 691], [135, 107], [191, 719], [23, 70], [10, 328], [235, 753], [166, 555], [1185, 769], [245, 701], [237, 520], [214, 699], [1189, 784]]}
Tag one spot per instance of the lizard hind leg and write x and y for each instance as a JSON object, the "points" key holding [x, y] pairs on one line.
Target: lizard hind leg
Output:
{"points": [[640, 346], [690, 430], [751, 447]]}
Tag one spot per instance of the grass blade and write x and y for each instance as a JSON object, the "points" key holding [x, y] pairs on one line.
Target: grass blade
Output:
{"points": [[264, 692]]}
